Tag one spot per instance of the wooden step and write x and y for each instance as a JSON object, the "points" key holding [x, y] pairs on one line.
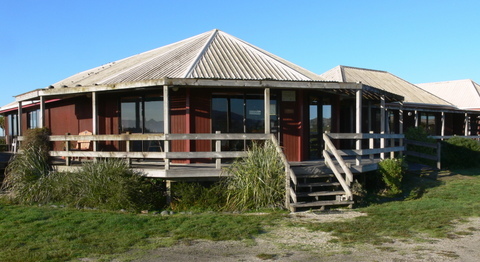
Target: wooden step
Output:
{"points": [[308, 175], [321, 203], [320, 184], [320, 193]]}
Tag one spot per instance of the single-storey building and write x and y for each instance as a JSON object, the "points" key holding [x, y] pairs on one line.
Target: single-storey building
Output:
{"points": [[199, 102]]}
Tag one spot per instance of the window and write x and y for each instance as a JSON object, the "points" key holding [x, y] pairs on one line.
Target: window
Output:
{"points": [[427, 121], [13, 125], [242, 113], [142, 114], [32, 119]]}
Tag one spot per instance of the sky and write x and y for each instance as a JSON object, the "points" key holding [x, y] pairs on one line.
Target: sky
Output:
{"points": [[421, 41]]}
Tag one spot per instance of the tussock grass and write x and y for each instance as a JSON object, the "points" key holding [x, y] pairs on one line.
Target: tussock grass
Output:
{"points": [[256, 181], [27, 167], [106, 184]]}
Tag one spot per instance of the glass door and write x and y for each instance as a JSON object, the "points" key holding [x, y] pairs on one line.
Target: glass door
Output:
{"points": [[320, 121]]}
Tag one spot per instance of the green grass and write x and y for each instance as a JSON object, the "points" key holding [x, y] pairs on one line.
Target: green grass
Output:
{"points": [[33, 233], [433, 214], [30, 233]]}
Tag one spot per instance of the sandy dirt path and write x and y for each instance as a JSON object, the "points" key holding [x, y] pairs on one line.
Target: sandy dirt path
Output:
{"points": [[285, 244]]}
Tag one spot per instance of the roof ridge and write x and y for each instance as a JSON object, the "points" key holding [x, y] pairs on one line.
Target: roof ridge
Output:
{"points": [[183, 42], [448, 81], [361, 68], [203, 50], [342, 73]]}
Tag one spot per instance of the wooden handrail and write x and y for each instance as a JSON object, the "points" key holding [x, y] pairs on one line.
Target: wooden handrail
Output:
{"points": [[330, 148], [289, 175]]}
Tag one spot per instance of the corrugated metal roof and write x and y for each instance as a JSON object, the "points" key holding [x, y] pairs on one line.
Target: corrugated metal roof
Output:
{"points": [[385, 81], [213, 54], [464, 94]]}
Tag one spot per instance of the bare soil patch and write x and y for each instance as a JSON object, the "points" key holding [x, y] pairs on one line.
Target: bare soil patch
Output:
{"points": [[285, 243]]}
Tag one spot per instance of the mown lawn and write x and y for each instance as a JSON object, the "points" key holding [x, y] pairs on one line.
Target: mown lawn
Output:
{"points": [[31, 233]]}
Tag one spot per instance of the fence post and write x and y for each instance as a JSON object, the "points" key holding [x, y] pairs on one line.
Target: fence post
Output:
{"points": [[218, 148]]}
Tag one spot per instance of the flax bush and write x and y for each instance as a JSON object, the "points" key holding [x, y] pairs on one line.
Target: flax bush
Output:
{"points": [[392, 171], [257, 180]]}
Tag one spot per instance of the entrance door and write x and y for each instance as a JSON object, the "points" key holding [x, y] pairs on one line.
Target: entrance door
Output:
{"points": [[320, 117]]}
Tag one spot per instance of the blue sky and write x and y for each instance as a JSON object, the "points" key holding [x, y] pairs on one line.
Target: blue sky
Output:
{"points": [[42, 42]]}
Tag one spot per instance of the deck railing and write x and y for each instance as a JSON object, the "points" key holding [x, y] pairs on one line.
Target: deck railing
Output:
{"points": [[365, 159], [166, 154], [437, 148]]}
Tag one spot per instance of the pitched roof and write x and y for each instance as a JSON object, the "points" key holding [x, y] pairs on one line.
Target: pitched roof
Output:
{"points": [[464, 94], [213, 54], [385, 81]]}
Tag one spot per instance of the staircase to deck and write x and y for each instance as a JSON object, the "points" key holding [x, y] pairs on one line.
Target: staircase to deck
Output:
{"points": [[314, 186]]}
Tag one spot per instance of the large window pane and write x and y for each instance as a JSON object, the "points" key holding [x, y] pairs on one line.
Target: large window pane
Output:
{"points": [[131, 120], [220, 114], [236, 115], [255, 115], [153, 116]]}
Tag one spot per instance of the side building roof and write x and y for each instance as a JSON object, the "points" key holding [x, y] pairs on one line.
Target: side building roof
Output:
{"points": [[385, 81], [464, 94]]}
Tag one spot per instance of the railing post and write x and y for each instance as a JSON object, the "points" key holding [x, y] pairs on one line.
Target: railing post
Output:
{"points": [[67, 149], [439, 155], [218, 148], [382, 125], [392, 144], [127, 148], [167, 149], [358, 124], [371, 145]]}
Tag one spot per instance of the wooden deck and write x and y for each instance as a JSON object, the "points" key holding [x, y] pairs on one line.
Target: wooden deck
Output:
{"points": [[309, 184]]}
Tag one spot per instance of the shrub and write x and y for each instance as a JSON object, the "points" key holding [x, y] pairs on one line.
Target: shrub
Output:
{"points": [[460, 152], [197, 196], [257, 180], [392, 171], [111, 184]]}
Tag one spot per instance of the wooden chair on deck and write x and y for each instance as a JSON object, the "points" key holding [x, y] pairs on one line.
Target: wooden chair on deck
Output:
{"points": [[83, 145]]}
